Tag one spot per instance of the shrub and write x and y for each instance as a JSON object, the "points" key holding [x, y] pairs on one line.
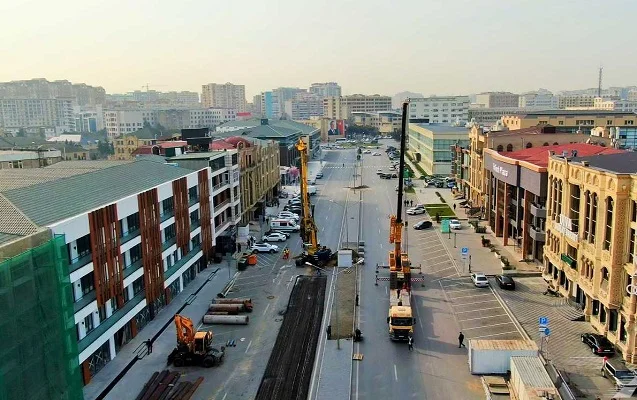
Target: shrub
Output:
{"points": [[505, 261]]}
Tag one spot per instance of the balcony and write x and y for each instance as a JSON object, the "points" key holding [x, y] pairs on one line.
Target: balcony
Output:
{"points": [[537, 234], [538, 211], [169, 242], [84, 301], [193, 201], [128, 236], [170, 271], [220, 185], [132, 268], [221, 205], [80, 261], [109, 322], [570, 261], [195, 224], [167, 214]]}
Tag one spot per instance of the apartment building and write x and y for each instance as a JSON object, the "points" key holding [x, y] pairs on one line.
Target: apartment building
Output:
{"points": [[326, 89], [19, 159], [121, 122], [384, 121], [227, 95], [570, 121], [33, 115], [516, 195], [432, 145], [259, 172], [439, 110], [134, 234], [489, 116], [576, 101], [87, 120], [591, 235], [626, 106], [125, 145], [304, 106], [539, 100], [470, 164], [41, 89], [342, 107], [498, 99]]}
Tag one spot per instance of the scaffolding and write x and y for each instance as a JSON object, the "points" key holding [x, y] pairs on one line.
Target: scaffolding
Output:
{"points": [[38, 342]]}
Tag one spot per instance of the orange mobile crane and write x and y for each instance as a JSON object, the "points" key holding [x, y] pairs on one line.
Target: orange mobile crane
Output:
{"points": [[193, 348], [314, 253], [400, 319]]}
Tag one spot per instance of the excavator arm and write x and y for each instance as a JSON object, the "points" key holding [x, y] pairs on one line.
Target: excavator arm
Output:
{"points": [[308, 226], [185, 330]]}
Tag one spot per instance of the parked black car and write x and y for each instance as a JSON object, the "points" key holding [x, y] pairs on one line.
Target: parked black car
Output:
{"points": [[505, 282], [598, 344], [422, 225]]}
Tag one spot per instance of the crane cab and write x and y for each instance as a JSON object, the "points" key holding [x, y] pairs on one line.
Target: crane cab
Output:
{"points": [[203, 340]]}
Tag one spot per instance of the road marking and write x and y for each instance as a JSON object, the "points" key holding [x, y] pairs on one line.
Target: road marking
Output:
{"points": [[515, 322], [446, 277], [482, 309], [472, 295], [488, 326], [490, 316], [395, 373], [248, 348], [440, 270], [266, 309], [432, 258], [224, 396], [473, 302], [459, 290], [495, 334]]}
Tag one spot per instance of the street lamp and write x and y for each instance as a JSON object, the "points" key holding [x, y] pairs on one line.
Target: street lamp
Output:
{"points": [[333, 285]]}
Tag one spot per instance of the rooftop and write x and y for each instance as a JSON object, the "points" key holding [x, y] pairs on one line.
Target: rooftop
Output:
{"points": [[199, 155], [262, 131], [532, 372], [619, 163], [540, 155], [601, 113], [23, 208], [441, 128]]}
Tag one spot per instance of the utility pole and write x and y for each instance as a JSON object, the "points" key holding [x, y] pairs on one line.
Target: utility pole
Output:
{"points": [[599, 82]]}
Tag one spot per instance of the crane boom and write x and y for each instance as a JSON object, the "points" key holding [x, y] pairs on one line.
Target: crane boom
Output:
{"points": [[308, 226]]}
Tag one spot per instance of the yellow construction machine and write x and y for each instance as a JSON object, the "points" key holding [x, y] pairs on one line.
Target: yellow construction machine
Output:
{"points": [[194, 348]]}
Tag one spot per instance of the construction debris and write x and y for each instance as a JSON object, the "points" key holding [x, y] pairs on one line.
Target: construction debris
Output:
{"points": [[163, 385]]}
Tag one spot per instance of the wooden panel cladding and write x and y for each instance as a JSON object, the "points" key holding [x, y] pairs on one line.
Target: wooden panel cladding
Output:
{"points": [[204, 214], [152, 262], [182, 216], [108, 263]]}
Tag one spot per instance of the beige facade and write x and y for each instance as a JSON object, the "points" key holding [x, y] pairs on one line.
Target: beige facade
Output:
{"points": [[498, 99], [19, 159], [384, 121], [473, 181], [570, 120], [225, 95], [125, 146], [343, 106], [582, 100], [590, 248]]}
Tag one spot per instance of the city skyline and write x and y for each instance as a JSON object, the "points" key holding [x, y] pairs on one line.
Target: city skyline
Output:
{"points": [[513, 48]]}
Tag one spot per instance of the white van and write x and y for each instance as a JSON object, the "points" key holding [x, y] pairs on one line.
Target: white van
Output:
{"points": [[284, 225], [311, 190]]}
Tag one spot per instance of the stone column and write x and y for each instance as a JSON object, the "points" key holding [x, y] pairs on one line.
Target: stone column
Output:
{"points": [[498, 213], [505, 212], [525, 227]]}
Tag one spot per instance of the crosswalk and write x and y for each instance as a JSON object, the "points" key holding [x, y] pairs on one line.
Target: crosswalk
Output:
{"points": [[364, 166]]}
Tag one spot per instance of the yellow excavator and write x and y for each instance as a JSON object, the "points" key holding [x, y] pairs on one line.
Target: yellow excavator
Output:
{"points": [[400, 318], [313, 253], [194, 348]]}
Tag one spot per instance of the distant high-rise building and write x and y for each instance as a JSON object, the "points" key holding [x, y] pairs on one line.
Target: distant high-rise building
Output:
{"points": [[225, 95], [342, 107], [539, 100], [497, 99], [327, 89], [256, 105], [42, 89], [440, 110], [303, 106], [576, 101], [33, 115]]}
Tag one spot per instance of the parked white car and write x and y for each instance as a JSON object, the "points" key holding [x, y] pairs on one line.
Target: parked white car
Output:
{"points": [[455, 224], [264, 248], [416, 210], [376, 154], [274, 237], [367, 152], [480, 280], [288, 215]]}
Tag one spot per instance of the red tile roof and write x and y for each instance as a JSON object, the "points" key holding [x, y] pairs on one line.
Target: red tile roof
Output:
{"points": [[220, 144], [540, 155]]}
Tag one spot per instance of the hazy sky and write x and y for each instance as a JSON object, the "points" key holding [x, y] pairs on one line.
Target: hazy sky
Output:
{"points": [[367, 46]]}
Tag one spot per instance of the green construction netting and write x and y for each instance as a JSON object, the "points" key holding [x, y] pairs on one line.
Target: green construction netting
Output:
{"points": [[38, 345]]}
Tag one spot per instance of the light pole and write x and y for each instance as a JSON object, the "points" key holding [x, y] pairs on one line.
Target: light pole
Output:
{"points": [[346, 222], [333, 285]]}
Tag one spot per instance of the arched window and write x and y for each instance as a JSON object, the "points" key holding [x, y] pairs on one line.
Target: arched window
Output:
{"points": [[610, 203], [509, 147], [555, 144], [545, 144], [529, 145], [500, 148], [605, 274]]}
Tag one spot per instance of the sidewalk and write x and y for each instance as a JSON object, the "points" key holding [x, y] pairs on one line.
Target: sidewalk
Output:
{"points": [[151, 363]]}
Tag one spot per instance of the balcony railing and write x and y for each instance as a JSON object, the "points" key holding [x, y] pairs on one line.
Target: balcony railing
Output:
{"points": [[220, 185], [169, 242], [193, 201], [223, 203], [538, 211], [167, 214], [80, 261], [132, 268], [129, 235], [195, 224], [109, 322], [570, 261], [84, 301], [537, 234], [170, 271]]}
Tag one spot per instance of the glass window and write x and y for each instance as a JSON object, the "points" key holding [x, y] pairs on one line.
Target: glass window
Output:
{"points": [[609, 223]]}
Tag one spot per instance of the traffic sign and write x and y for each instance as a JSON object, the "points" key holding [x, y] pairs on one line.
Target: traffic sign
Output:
{"points": [[547, 331], [544, 320], [464, 253]]}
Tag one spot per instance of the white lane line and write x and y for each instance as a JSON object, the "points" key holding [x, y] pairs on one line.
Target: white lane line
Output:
{"points": [[395, 373], [447, 277], [482, 309], [224, 396], [459, 290], [266, 309], [248, 348], [495, 334], [490, 316], [433, 258], [489, 326], [472, 295], [444, 269], [386, 293], [474, 302]]}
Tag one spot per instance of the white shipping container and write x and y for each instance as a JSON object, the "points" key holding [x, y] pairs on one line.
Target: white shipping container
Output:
{"points": [[529, 379], [494, 356]]}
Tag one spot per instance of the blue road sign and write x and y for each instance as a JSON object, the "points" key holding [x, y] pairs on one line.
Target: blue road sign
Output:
{"points": [[547, 331], [544, 320], [465, 250]]}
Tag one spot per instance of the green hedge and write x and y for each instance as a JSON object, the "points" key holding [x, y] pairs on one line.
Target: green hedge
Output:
{"points": [[442, 209]]}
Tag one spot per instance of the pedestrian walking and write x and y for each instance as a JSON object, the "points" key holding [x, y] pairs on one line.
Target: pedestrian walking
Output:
{"points": [[329, 332], [410, 342], [461, 340], [149, 345], [411, 203], [454, 206], [356, 300]]}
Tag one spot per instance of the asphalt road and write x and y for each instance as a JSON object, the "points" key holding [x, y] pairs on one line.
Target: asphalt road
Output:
{"points": [[436, 368]]}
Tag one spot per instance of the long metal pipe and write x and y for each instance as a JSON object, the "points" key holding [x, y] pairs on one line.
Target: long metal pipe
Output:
{"points": [[231, 308], [226, 319]]}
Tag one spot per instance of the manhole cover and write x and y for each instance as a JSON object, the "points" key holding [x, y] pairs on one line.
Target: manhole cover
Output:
{"points": [[270, 297]]}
